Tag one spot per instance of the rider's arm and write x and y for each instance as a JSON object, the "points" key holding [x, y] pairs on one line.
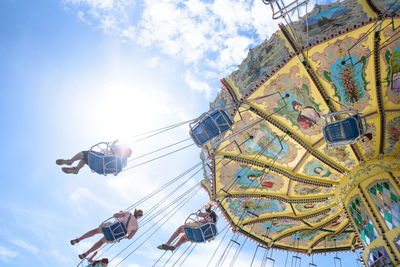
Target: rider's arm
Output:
{"points": [[91, 258], [131, 234], [119, 214], [202, 214]]}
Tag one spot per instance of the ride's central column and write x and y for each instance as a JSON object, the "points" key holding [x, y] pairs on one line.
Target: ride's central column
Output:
{"points": [[370, 196]]}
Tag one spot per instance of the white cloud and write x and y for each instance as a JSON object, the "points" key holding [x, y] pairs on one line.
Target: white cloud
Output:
{"points": [[234, 51], [213, 36], [198, 85], [81, 197], [153, 62], [81, 16], [111, 16], [25, 245], [6, 254], [59, 256]]}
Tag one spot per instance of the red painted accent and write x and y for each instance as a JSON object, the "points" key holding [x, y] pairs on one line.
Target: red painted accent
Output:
{"points": [[227, 88]]}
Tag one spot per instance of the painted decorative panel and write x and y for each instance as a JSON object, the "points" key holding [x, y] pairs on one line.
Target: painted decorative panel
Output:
{"points": [[346, 74], [392, 135], [238, 208], [387, 201], [362, 220], [325, 20]]}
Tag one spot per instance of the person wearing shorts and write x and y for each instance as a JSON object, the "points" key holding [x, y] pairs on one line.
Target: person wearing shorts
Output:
{"points": [[129, 220], [208, 216], [116, 149]]}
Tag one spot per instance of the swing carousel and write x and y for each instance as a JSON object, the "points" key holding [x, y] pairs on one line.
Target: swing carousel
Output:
{"points": [[277, 174]]}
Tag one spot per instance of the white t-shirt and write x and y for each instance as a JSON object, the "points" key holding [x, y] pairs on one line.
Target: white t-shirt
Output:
{"points": [[133, 224]]}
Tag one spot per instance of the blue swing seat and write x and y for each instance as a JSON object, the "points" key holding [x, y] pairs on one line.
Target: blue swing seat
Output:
{"points": [[341, 132], [209, 125], [201, 233], [114, 232], [101, 163]]}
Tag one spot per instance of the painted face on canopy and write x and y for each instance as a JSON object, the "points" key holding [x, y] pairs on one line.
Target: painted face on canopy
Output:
{"points": [[320, 171], [298, 107], [251, 177], [367, 138]]}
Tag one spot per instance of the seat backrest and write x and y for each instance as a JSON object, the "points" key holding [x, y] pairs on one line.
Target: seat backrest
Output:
{"points": [[105, 164], [344, 130], [114, 232], [202, 233], [113, 164], [210, 125]]}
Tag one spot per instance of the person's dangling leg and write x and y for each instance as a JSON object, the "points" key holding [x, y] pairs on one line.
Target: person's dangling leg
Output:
{"points": [[95, 247], [167, 246], [78, 156], [182, 239], [79, 166], [175, 235], [87, 235], [82, 161]]}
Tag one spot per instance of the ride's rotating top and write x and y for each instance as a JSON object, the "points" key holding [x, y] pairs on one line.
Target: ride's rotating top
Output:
{"points": [[273, 175]]}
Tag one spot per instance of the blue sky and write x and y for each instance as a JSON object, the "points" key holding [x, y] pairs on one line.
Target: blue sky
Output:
{"points": [[77, 72]]}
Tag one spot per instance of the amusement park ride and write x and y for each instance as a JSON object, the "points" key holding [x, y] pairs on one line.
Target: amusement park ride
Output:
{"points": [[301, 148], [307, 159]]}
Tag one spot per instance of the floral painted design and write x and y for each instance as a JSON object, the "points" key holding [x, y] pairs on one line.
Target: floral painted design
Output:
{"points": [[393, 135], [341, 155], [349, 83], [345, 73], [391, 56]]}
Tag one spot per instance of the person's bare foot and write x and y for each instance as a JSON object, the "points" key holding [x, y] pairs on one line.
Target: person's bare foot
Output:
{"points": [[63, 162], [74, 241], [70, 170]]}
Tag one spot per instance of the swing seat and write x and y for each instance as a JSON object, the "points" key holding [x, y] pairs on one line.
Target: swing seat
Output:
{"points": [[341, 132], [114, 232], [202, 233], [101, 162], [209, 125]]}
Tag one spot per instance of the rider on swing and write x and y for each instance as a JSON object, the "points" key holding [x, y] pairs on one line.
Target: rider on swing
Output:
{"points": [[208, 216], [129, 220]]}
